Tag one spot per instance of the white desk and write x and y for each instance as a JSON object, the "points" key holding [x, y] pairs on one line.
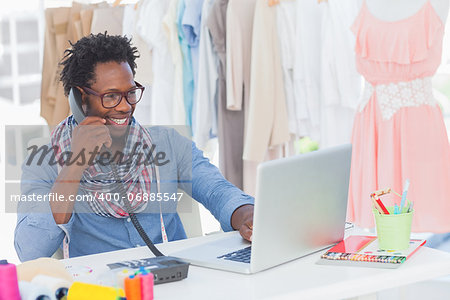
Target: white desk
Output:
{"points": [[299, 279]]}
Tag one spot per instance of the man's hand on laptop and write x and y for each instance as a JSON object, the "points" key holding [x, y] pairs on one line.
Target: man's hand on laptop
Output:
{"points": [[242, 220]]}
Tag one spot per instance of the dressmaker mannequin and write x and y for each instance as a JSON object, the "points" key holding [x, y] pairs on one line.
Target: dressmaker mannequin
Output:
{"points": [[398, 50], [396, 10]]}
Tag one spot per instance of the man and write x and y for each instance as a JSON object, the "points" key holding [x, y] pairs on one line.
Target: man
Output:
{"points": [[102, 68]]}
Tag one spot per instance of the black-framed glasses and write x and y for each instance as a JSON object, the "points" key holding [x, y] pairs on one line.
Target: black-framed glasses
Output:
{"points": [[112, 99]]}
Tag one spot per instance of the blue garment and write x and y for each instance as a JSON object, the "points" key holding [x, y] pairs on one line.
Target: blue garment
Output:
{"points": [[191, 26], [38, 235], [188, 72]]}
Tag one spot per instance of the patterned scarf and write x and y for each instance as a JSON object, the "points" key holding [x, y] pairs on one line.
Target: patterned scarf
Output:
{"points": [[98, 180]]}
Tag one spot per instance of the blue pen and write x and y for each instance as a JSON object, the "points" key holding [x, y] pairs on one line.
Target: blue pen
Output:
{"points": [[405, 191], [395, 209]]}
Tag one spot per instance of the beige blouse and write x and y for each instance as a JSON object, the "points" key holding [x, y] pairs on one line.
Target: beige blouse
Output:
{"points": [[267, 124]]}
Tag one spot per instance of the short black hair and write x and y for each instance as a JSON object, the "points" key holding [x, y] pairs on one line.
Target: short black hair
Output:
{"points": [[80, 60]]}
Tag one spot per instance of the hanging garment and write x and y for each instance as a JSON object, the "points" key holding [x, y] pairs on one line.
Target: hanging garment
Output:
{"points": [[108, 19], [149, 27], [267, 124], [230, 123], [307, 68], [144, 75], [86, 15], [74, 30], [144, 70], [54, 105], [63, 24], [399, 131], [130, 18], [340, 82], [239, 50], [286, 28], [205, 104], [86, 19], [171, 31], [191, 26], [49, 61], [188, 75]]}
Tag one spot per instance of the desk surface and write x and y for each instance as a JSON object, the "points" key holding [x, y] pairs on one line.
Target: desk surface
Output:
{"points": [[299, 279]]}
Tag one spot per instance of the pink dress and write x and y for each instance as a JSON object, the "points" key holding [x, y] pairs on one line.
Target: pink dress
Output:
{"points": [[399, 132]]}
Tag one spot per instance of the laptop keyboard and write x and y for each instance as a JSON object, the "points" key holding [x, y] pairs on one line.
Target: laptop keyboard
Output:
{"points": [[242, 255]]}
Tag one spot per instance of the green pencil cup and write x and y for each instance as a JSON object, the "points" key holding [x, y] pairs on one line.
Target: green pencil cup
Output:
{"points": [[393, 231]]}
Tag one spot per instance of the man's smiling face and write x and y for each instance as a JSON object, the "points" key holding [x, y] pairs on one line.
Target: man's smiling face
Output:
{"points": [[112, 77]]}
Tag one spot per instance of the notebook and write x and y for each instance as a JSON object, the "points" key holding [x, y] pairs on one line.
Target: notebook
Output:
{"points": [[363, 251]]}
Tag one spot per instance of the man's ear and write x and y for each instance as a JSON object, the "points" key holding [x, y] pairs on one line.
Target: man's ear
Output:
{"points": [[84, 96], [84, 99]]}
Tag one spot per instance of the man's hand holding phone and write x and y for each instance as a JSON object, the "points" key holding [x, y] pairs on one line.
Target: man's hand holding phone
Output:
{"points": [[90, 134]]}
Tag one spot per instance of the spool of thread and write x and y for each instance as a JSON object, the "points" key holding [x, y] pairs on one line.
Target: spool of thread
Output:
{"points": [[9, 287], [86, 291], [133, 288], [59, 287], [33, 291], [61, 293], [147, 282], [42, 266]]}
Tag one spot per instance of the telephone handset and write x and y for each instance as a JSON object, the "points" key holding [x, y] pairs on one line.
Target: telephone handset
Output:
{"points": [[75, 105], [79, 115]]}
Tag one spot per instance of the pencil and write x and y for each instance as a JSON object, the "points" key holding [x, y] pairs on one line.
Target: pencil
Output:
{"points": [[375, 203], [383, 208]]}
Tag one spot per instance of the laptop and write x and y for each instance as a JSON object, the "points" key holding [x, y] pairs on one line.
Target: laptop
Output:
{"points": [[300, 208]]}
